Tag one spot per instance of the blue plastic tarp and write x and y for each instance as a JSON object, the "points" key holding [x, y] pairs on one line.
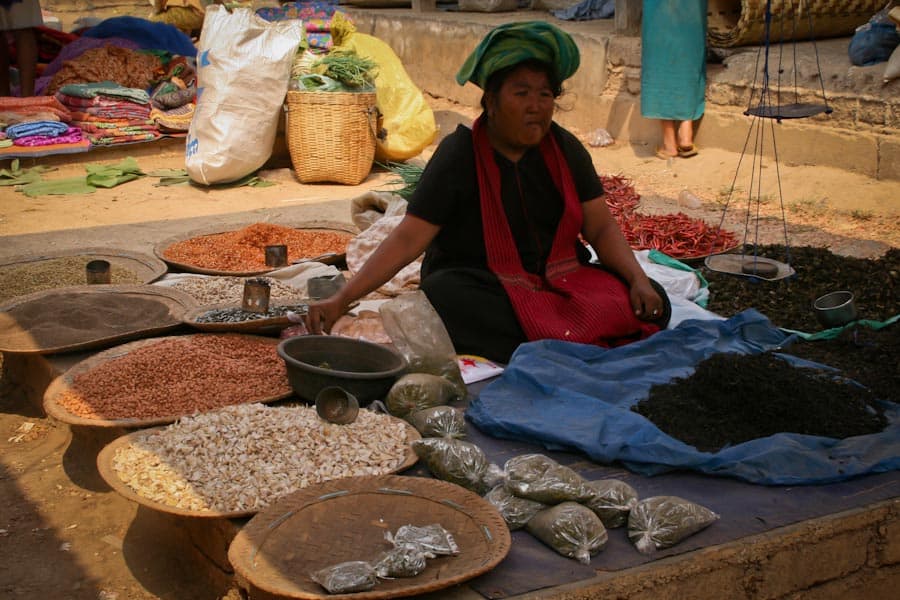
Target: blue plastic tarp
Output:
{"points": [[149, 35], [568, 396]]}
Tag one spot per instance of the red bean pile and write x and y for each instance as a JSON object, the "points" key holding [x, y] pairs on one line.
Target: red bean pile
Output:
{"points": [[177, 377]]}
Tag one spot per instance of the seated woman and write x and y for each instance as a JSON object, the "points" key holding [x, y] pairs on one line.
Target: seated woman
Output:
{"points": [[501, 212]]}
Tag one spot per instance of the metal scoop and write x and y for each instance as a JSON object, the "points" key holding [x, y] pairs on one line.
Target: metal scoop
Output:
{"points": [[337, 405]]}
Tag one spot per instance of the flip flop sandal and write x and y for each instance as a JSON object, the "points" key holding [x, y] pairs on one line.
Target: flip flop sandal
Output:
{"points": [[687, 151], [661, 153]]}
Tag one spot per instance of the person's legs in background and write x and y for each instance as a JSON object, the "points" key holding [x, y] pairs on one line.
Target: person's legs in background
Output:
{"points": [[5, 88], [669, 146], [26, 59]]}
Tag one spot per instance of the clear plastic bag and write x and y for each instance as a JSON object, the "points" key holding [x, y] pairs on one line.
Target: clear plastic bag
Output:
{"points": [[571, 529], [542, 479], [514, 510], [611, 500], [432, 539], [402, 561], [417, 391], [458, 462], [419, 334], [662, 521], [439, 421], [346, 577]]}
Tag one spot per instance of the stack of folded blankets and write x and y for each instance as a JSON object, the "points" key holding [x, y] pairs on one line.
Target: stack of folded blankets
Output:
{"points": [[109, 113], [172, 99], [37, 122]]}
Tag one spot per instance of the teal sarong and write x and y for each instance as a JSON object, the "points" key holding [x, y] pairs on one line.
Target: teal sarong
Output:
{"points": [[673, 59]]}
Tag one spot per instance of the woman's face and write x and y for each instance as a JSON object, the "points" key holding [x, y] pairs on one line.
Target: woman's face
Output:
{"points": [[519, 114]]}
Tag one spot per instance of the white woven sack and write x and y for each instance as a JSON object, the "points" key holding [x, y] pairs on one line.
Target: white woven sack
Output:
{"points": [[243, 69]]}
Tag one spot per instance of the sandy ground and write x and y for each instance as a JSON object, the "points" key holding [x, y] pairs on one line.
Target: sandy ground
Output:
{"points": [[837, 205], [65, 535]]}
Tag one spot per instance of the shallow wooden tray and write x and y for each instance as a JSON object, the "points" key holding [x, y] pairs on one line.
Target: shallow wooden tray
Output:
{"points": [[346, 519], [63, 383], [146, 268], [330, 259], [262, 326], [108, 472], [15, 339]]}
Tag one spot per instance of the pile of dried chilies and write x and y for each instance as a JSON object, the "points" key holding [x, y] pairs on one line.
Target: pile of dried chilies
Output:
{"points": [[676, 235]]}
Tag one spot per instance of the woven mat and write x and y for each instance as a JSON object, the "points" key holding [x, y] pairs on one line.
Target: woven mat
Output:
{"points": [[346, 520], [743, 22]]}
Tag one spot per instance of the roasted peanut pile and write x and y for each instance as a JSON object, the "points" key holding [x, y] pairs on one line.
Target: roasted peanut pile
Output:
{"points": [[244, 249], [179, 376], [243, 457], [230, 290]]}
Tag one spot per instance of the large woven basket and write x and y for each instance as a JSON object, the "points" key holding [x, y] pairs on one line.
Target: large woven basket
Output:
{"points": [[743, 22], [331, 135]]}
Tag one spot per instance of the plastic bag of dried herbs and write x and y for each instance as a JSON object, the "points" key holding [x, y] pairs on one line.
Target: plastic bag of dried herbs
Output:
{"points": [[346, 577], [401, 561], [662, 521], [439, 421], [571, 529], [611, 500], [419, 334], [433, 539], [514, 510], [417, 391], [542, 479], [458, 462]]}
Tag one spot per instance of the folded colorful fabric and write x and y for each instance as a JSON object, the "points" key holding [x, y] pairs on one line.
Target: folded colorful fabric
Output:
{"points": [[33, 105], [70, 136], [8, 118], [75, 102], [105, 88], [47, 128], [110, 127], [175, 119], [124, 139], [110, 114], [119, 131]]}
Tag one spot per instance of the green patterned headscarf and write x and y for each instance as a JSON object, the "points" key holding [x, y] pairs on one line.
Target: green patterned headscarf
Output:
{"points": [[512, 43]]}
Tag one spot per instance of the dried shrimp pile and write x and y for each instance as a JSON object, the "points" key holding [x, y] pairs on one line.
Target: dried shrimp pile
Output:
{"points": [[243, 250]]}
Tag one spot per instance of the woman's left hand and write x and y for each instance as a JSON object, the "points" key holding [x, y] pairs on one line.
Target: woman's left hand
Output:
{"points": [[646, 303]]}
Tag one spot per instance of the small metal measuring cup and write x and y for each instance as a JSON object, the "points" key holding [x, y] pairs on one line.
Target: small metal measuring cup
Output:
{"points": [[97, 271], [276, 255], [256, 296], [337, 405], [319, 288]]}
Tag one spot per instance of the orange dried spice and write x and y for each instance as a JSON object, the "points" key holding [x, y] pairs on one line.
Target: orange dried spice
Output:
{"points": [[178, 376], [244, 249]]}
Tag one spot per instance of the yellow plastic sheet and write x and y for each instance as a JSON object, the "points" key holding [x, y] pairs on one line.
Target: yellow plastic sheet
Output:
{"points": [[407, 118]]}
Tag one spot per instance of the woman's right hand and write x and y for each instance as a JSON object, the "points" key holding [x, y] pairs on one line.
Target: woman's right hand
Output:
{"points": [[321, 315]]}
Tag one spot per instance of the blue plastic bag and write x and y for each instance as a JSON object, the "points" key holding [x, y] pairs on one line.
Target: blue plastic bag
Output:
{"points": [[873, 42]]}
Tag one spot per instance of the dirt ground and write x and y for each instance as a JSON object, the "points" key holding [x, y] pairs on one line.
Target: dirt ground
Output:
{"points": [[65, 535]]}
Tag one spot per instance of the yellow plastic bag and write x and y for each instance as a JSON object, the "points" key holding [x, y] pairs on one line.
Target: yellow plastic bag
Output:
{"points": [[408, 120]]}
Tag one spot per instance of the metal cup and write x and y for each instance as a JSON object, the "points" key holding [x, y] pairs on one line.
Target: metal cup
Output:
{"points": [[276, 256], [835, 309], [256, 296], [319, 288], [97, 271], [337, 405]]}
